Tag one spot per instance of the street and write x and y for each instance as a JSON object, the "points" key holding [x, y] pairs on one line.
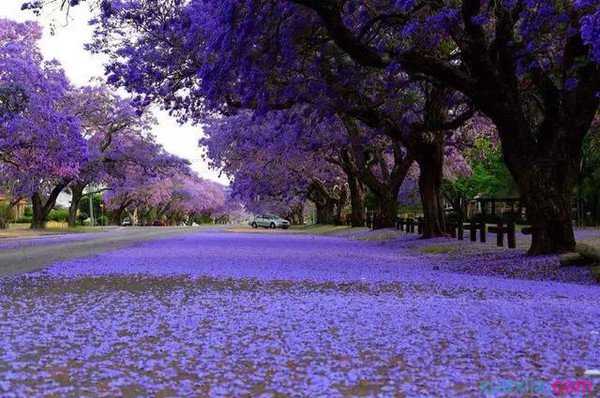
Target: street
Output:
{"points": [[229, 314]]}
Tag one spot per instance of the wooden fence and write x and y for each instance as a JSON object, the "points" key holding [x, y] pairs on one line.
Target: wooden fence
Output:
{"points": [[504, 231]]}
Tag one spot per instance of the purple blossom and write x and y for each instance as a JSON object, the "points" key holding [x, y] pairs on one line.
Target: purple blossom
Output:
{"points": [[223, 314]]}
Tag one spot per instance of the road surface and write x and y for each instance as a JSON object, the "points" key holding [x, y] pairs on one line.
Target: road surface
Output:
{"points": [[21, 255], [221, 314]]}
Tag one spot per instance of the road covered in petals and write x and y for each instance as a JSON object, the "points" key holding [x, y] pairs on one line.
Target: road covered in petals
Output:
{"points": [[217, 313], [20, 255]]}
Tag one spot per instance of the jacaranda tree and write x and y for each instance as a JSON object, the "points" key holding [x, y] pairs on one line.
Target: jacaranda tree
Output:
{"points": [[531, 66], [280, 157], [41, 144], [117, 136]]}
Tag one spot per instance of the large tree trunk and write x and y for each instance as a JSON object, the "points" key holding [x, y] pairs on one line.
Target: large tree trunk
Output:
{"points": [[325, 212], [116, 216], [297, 215], [39, 217], [340, 203], [357, 201], [547, 192], [387, 211], [431, 161], [42, 209], [76, 195], [546, 179], [325, 203]]}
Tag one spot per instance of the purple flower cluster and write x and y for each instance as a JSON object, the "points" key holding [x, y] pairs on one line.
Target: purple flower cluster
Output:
{"points": [[222, 314], [451, 255]]}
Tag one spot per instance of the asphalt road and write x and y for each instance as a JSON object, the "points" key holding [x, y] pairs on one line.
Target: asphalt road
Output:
{"points": [[19, 256]]}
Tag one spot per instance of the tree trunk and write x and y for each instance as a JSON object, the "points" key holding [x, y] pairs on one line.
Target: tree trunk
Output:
{"points": [[325, 212], [340, 203], [297, 215], [41, 209], [39, 216], [76, 195], [387, 211], [548, 202], [117, 216], [357, 201], [546, 179], [431, 161]]}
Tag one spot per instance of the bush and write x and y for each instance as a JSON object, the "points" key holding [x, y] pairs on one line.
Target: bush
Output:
{"points": [[59, 215], [24, 220], [4, 215]]}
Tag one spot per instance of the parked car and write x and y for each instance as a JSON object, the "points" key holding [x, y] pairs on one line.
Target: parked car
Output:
{"points": [[269, 221], [127, 222]]}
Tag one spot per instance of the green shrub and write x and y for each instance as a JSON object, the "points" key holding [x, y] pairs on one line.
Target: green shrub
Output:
{"points": [[4, 215], [24, 220], [59, 215]]}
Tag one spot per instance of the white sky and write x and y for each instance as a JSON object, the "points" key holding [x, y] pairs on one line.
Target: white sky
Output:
{"points": [[66, 45]]}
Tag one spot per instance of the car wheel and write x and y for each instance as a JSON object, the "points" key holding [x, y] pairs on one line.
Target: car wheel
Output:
{"points": [[254, 225], [272, 225]]}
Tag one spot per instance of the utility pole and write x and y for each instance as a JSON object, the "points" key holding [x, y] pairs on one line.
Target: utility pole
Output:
{"points": [[91, 201]]}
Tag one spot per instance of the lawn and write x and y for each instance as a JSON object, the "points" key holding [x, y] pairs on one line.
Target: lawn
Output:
{"points": [[53, 228]]}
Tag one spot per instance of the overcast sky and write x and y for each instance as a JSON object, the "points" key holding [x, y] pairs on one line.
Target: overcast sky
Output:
{"points": [[66, 45]]}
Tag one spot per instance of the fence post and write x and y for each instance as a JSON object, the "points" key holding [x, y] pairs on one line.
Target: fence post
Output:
{"points": [[500, 234], [473, 231], [483, 232], [461, 231], [511, 235]]}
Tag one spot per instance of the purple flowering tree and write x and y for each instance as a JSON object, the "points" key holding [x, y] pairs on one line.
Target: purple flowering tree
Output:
{"points": [[531, 66], [277, 72], [172, 198], [40, 143], [117, 136], [278, 160], [129, 179]]}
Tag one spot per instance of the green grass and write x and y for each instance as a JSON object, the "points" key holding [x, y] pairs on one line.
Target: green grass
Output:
{"points": [[380, 235], [446, 249], [318, 229], [53, 228]]}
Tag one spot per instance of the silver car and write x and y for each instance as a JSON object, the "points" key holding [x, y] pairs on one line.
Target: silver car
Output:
{"points": [[269, 221]]}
